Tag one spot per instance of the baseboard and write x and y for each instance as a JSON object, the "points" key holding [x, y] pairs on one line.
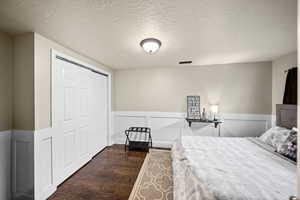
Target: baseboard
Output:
{"points": [[23, 196]]}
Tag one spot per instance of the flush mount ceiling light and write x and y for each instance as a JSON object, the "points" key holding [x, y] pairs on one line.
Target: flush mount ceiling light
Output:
{"points": [[150, 45]]}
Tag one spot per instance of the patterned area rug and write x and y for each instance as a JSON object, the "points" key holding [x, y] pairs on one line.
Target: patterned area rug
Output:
{"points": [[155, 180]]}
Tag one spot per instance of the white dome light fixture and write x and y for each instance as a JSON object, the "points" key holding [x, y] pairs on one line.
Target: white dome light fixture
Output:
{"points": [[150, 45]]}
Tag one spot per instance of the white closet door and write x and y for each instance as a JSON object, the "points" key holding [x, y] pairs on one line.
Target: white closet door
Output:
{"points": [[80, 116], [71, 101], [99, 112]]}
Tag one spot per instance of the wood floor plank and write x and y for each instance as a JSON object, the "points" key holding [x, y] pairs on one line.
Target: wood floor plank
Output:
{"points": [[109, 176]]}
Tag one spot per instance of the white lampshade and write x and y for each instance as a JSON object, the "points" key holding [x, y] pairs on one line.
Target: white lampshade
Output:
{"points": [[150, 45], [214, 109]]}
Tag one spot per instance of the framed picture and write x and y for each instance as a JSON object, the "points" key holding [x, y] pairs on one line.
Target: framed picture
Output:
{"points": [[193, 107]]}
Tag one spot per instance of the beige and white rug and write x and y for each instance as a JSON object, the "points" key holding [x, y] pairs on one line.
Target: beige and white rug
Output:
{"points": [[155, 180]]}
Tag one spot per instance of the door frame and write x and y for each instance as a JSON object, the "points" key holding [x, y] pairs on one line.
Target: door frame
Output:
{"points": [[55, 53]]}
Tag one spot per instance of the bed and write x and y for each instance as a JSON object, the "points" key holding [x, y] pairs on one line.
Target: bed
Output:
{"points": [[224, 168]]}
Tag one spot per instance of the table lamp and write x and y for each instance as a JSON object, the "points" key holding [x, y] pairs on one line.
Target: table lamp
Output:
{"points": [[214, 109]]}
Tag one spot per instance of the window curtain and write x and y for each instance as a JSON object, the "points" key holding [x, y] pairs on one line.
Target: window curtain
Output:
{"points": [[290, 92]]}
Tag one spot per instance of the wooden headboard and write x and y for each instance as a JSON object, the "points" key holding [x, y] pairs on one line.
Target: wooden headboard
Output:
{"points": [[286, 115]]}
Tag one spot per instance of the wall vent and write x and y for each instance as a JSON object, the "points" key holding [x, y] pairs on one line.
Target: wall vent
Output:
{"points": [[185, 62]]}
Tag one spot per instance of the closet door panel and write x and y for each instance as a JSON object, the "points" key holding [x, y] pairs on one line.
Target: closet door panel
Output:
{"points": [[59, 115], [92, 138], [70, 120], [83, 137], [103, 113], [99, 112], [84, 88], [79, 117], [69, 148]]}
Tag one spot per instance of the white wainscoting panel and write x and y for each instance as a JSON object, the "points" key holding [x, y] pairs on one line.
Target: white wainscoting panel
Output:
{"points": [[273, 120], [44, 163], [22, 164], [33, 164], [122, 123], [165, 130], [47, 173], [5, 164], [166, 127]]}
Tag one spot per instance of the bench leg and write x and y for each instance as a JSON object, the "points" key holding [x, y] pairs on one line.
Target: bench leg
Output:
{"points": [[125, 145]]}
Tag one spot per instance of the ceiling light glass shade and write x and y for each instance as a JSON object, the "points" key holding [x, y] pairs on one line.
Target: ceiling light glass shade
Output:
{"points": [[150, 45]]}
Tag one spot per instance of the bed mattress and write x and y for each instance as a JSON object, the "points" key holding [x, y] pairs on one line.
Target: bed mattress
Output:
{"points": [[215, 168]]}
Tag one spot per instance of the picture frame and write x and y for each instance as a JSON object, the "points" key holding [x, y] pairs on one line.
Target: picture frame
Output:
{"points": [[193, 107]]}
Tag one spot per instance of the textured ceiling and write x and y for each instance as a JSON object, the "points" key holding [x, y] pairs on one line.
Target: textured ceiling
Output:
{"points": [[205, 31]]}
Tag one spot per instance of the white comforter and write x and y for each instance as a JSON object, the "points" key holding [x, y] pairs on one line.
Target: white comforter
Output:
{"points": [[230, 169]]}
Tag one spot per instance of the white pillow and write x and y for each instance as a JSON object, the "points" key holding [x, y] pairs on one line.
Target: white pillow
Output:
{"points": [[275, 136], [295, 129]]}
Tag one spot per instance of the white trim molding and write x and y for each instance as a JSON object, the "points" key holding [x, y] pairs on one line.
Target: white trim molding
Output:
{"points": [[166, 127], [273, 120]]}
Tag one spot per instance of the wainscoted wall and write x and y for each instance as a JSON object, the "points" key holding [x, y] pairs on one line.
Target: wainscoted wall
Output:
{"points": [[32, 164], [169, 126], [5, 164], [22, 164]]}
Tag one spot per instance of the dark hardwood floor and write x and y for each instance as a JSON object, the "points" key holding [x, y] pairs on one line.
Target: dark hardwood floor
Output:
{"points": [[109, 176]]}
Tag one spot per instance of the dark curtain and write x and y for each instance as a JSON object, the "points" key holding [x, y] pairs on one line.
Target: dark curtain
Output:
{"points": [[290, 92]]}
